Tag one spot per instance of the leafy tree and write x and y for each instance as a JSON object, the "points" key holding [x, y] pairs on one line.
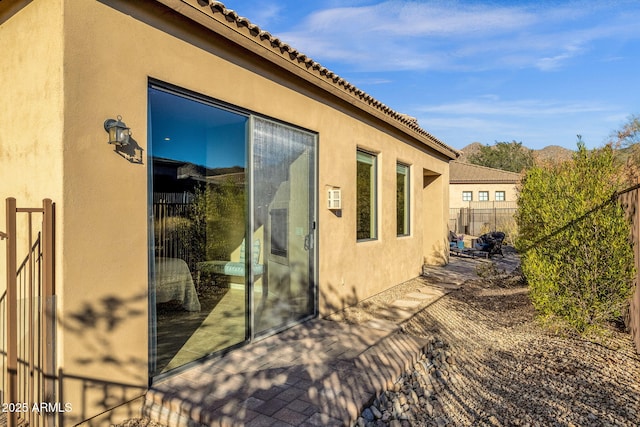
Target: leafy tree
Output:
{"points": [[217, 220], [508, 156], [628, 134], [574, 239], [626, 140]]}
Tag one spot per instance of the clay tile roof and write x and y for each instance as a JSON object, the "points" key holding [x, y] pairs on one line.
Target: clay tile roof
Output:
{"points": [[409, 123], [467, 173]]}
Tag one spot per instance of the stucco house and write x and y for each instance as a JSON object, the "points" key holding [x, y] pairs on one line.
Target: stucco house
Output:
{"points": [[208, 185], [481, 199], [473, 183]]}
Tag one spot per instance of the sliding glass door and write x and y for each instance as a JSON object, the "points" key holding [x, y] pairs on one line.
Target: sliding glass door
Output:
{"points": [[232, 227], [283, 207], [199, 216]]}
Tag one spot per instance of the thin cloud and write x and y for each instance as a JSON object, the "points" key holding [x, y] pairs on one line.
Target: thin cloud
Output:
{"points": [[264, 14], [488, 119], [409, 35], [491, 106], [371, 81], [469, 124], [406, 18]]}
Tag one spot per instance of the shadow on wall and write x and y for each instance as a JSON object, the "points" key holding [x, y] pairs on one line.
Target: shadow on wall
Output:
{"points": [[94, 325], [333, 298], [131, 152], [439, 253], [97, 321], [301, 364]]}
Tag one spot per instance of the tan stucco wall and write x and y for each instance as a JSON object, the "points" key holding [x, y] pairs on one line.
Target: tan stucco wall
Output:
{"points": [[30, 109], [455, 193], [109, 55], [105, 259], [351, 270], [31, 124]]}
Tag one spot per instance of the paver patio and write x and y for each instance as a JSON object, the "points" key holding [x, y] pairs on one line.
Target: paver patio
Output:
{"points": [[319, 373]]}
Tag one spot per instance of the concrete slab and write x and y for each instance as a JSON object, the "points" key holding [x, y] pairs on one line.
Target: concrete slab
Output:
{"points": [[405, 303], [387, 325], [420, 295], [396, 314]]}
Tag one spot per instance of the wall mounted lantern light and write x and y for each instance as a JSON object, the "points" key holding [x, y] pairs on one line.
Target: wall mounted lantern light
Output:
{"points": [[118, 131]]}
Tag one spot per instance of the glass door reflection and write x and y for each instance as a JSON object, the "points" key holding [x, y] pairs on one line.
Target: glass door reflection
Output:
{"points": [[284, 206], [230, 239], [199, 204]]}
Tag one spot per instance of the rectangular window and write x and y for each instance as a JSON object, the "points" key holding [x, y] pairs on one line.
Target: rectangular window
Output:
{"points": [[483, 196], [500, 196], [402, 199], [467, 196], [366, 196]]}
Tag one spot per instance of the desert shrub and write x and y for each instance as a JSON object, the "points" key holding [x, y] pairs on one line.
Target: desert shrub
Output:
{"points": [[574, 239]]}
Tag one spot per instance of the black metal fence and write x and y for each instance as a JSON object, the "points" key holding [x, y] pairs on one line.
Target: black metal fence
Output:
{"points": [[27, 317], [477, 220]]}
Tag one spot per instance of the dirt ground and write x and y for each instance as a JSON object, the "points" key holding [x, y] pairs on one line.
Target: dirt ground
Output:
{"points": [[511, 370]]}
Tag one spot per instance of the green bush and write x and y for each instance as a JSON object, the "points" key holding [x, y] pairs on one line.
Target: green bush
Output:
{"points": [[574, 239]]}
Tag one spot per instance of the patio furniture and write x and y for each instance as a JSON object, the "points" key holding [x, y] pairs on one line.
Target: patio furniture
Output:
{"points": [[491, 243], [455, 241], [234, 268], [470, 252]]}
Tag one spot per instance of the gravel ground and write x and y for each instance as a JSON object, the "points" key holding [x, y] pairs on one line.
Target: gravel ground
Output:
{"points": [[491, 364]]}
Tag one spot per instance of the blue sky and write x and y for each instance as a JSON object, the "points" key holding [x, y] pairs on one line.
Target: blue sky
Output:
{"points": [[539, 72]]}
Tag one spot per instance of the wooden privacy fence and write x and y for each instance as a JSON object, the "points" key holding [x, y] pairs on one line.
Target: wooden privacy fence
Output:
{"points": [[27, 310], [630, 199], [174, 232]]}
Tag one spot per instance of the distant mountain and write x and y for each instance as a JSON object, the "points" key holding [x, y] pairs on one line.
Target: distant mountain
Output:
{"points": [[469, 150], [551, 152], [626, 154]]}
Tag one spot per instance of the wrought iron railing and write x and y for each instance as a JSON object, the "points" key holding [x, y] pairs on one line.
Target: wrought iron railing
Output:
{"points": [[27, 310]]}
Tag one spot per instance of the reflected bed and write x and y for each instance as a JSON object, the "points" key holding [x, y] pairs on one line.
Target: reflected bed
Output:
{"points": [[174, 283]]}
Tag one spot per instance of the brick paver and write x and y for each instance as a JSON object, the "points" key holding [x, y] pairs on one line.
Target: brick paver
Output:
{"points": [[320, 373]]}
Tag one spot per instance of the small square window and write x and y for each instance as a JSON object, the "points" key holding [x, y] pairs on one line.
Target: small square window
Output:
{"points": [[467, 196], [500, 196], [483, 196]]}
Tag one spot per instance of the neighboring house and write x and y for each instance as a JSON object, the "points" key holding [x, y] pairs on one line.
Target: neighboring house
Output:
{"points": [[469, 183], [257, 190], [483, 191]]}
